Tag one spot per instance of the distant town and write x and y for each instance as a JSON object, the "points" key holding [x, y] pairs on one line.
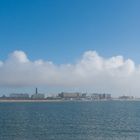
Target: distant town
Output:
{"points": [[63, 96]]}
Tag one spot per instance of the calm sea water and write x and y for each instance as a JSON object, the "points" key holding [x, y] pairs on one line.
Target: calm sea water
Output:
{"points": [[111, 120]]}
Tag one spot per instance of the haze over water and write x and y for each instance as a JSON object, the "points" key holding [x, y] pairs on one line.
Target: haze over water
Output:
{"points": [[105, 120]]}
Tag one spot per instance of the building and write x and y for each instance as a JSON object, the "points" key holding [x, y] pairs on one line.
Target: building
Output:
{"points": [[37, 95], [84, 95], [104, 96], [19, 96], [95, 96], [108, 96], [126, 97], [69, 95]]}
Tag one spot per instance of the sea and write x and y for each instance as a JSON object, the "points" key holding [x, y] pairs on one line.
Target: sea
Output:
{"points": [[71, 120]]}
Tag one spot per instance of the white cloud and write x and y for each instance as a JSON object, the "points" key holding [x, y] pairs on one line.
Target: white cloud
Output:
{"points": [[92, 72], [18, 57]]}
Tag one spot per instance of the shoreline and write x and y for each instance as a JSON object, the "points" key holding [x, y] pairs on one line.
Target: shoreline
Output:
{"points": [[30, 101], [22, 101]]}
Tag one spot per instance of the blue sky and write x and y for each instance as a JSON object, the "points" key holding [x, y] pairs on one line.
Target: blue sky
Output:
{"points": [[62, 30]]}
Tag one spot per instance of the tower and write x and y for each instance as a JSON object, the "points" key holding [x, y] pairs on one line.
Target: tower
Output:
{"points": [[36, 91]]}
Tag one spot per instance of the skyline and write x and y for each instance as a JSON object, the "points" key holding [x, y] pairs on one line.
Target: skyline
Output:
{"points": [[74, 45]]}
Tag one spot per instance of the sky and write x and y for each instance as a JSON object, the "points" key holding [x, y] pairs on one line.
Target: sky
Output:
{"points": [[71, 45]]}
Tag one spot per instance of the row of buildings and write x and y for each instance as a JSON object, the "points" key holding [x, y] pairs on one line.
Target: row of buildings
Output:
{"points": [[84, 96], [60, 96], [25, 96]]}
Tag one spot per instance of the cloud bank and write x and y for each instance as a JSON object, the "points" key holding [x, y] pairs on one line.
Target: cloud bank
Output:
{"points": [[92, 71]]}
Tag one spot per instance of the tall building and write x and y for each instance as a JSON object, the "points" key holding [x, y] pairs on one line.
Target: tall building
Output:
{"points": [[37, 95], [36, 91]]}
